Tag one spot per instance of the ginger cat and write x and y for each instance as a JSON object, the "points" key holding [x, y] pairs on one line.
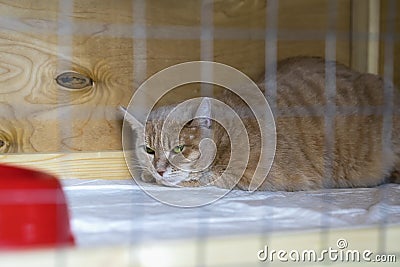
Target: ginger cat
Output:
{"points": [[359, 158]]}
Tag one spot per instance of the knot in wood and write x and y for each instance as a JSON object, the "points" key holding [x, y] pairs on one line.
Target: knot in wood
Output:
{"points": [[73, 80]]}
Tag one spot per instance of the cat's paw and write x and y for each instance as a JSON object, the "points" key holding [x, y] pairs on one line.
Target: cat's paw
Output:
{"points": [[147, 177], [190, 183]]}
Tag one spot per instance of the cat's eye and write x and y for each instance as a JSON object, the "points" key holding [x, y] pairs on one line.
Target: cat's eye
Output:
{"points": [[178, 149], [149, 150]]}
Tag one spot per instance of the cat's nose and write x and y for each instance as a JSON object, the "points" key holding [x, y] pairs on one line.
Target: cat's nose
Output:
{"points": [[161, 172]]}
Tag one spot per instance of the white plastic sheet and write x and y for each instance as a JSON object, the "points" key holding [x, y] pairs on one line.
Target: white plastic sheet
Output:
{"points": [[105, 212]]}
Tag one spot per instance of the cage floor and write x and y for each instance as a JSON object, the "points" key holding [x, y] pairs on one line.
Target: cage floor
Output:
{"points": [[110, 212]]}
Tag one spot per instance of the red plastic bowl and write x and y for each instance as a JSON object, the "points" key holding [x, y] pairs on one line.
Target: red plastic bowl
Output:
{"points": [[33, 210]]}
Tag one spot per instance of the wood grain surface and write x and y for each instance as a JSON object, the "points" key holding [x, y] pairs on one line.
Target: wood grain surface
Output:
{"points": [[107, 165], [390, 40], [110, 42]]}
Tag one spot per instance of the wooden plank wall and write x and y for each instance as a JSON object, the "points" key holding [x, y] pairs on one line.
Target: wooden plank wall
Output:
{"points": [[390, 40], [118, 44], [365, 35]]}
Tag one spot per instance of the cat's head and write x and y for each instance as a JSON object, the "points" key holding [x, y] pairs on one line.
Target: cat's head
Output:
{"points": [[169, 153]]}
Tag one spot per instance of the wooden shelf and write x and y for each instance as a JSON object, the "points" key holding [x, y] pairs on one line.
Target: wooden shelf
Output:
{"points": [[216, 251], [81, 165]]}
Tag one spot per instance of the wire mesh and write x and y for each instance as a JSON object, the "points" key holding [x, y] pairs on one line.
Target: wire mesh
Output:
{"points": [[207, 34]]}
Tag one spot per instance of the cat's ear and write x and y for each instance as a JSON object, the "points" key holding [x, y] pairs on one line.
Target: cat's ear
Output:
{"points": [[203, 111], [133, 122], [202, 123]]}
